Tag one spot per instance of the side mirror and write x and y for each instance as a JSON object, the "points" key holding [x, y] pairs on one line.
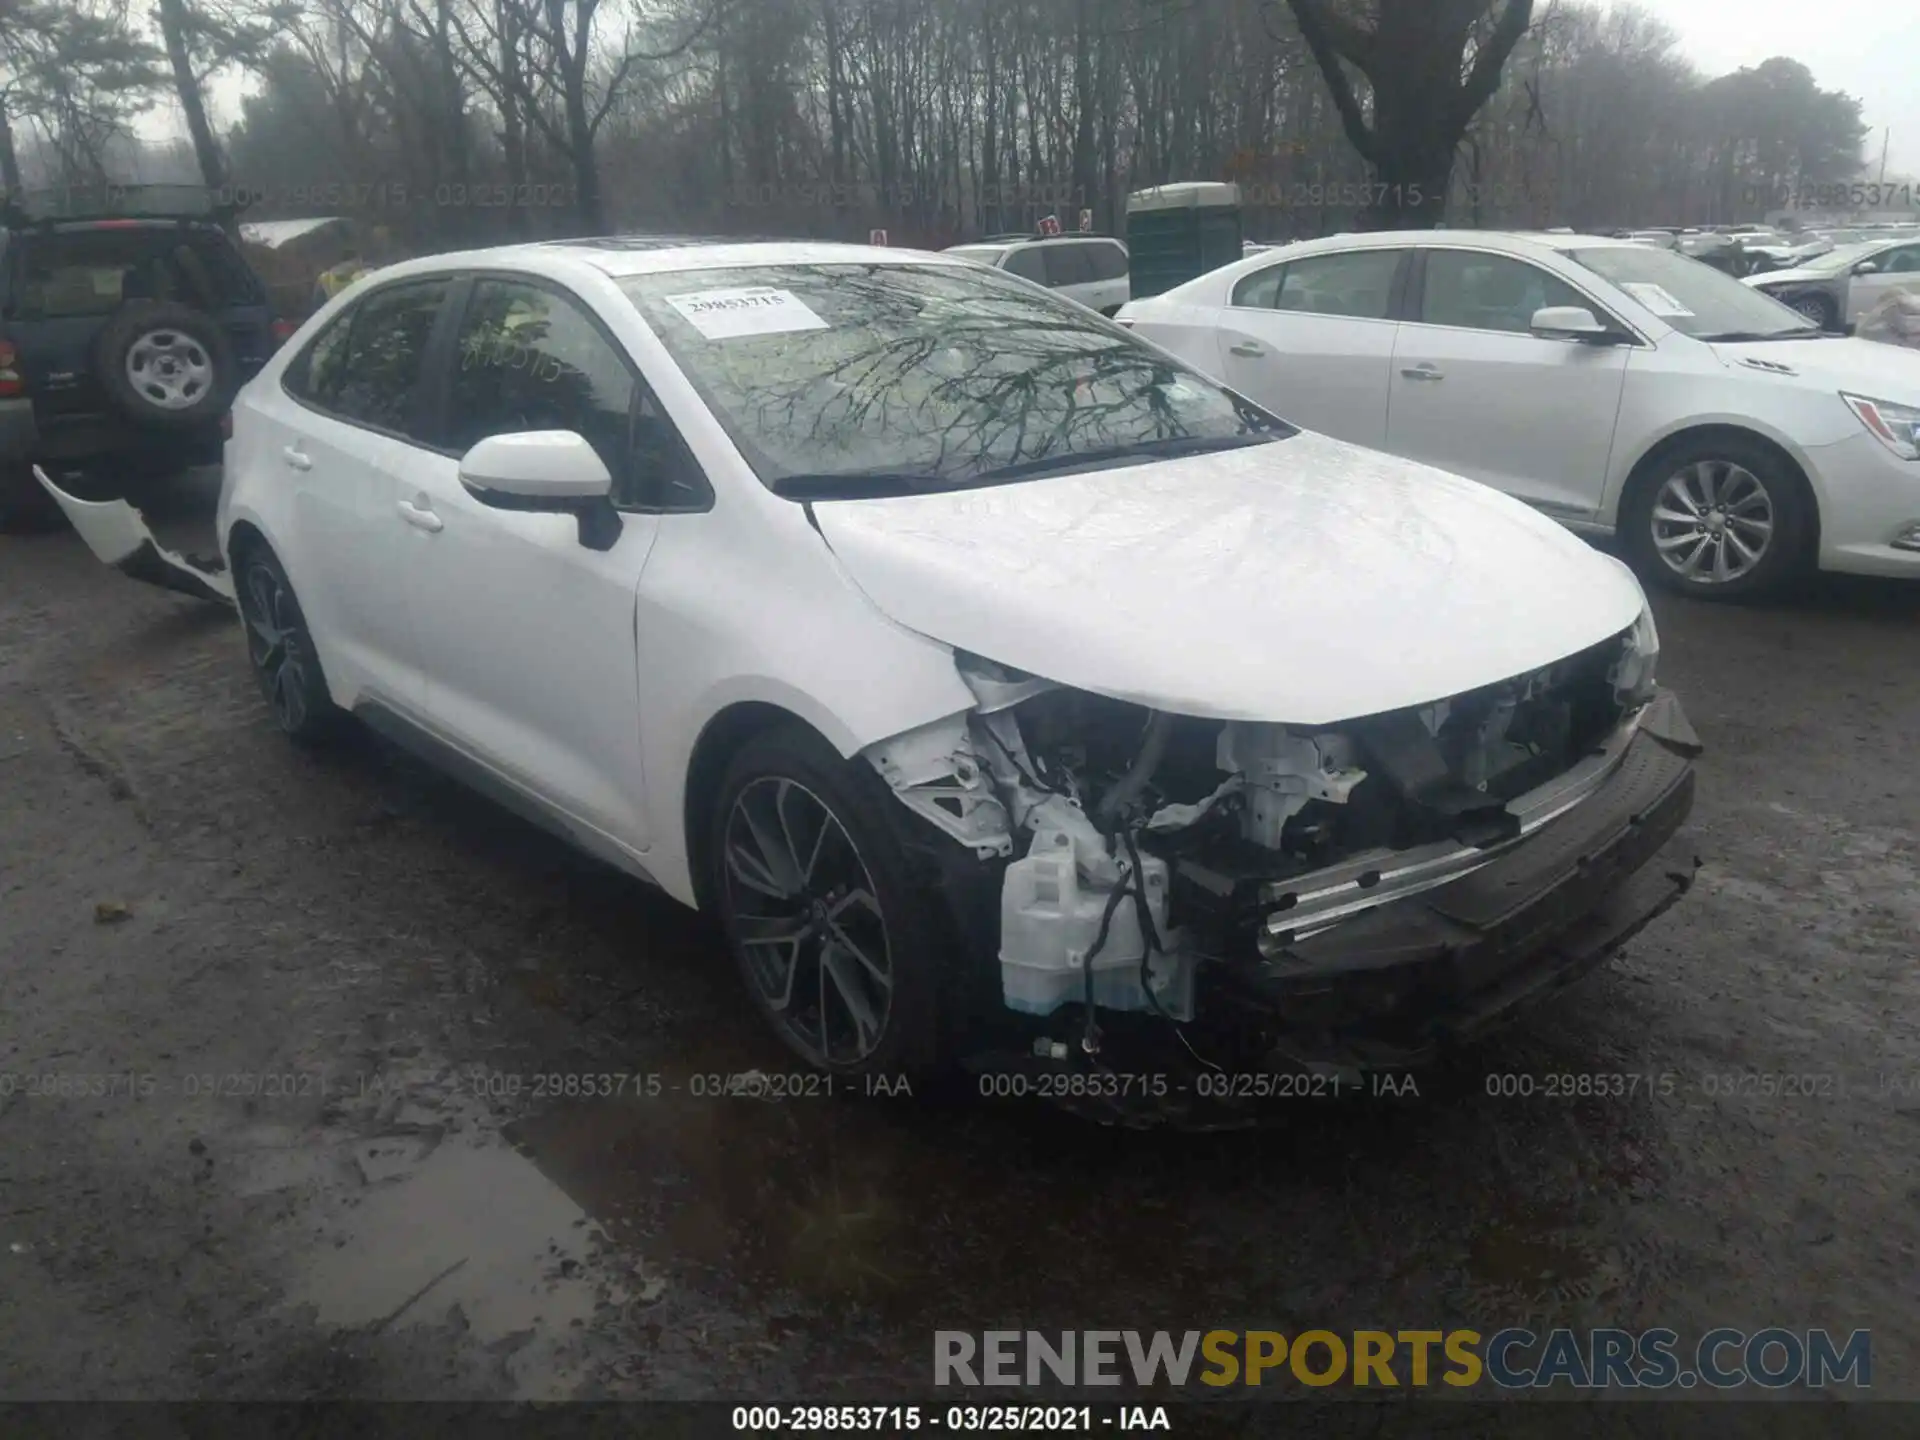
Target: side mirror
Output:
{"points": [[1569, 322], [552, 472], [1867, 267]]}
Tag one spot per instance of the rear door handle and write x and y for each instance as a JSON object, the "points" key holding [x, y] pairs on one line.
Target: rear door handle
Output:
{"points": [[1248, 349], [293, 456], [421, 519], [1423, 372]]}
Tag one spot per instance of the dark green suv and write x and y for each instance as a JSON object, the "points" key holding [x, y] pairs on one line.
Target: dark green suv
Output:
{"points": [[128, 319]]}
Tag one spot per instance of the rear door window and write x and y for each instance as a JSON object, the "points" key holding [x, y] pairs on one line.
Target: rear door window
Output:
{"points": [[1028, 263], [1068, 264], [366, 366], [1357, 284]]}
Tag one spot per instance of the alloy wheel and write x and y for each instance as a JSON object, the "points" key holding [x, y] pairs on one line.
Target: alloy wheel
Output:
{"points": [[1814, 308], [277, 645], [1713, 522], [803, 910]]}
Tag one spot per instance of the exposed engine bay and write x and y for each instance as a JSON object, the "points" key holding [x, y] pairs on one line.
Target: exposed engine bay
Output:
{"points": [[1139, 846]]}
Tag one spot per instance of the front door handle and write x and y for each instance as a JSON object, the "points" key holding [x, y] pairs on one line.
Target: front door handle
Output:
{"points": [[1423, 372], [293, 456], [1248, 349], [421, 519]]}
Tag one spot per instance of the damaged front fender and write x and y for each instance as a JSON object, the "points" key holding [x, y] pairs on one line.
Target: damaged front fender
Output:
{"points": [[119, 537]]}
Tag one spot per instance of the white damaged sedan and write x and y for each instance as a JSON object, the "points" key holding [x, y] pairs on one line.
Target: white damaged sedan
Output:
{"points": [[1008, 691]]}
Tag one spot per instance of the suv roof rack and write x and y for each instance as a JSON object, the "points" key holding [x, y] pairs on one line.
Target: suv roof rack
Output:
{"points": [[113, 200]]}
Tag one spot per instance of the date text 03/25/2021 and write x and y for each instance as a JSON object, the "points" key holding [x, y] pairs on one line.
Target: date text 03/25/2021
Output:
{"points": [[959, 1419]]}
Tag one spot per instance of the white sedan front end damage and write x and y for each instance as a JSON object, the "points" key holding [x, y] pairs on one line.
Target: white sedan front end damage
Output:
{"points": [[1243, 874]]}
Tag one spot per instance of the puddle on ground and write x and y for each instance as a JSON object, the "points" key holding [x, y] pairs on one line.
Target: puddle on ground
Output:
{"points": [[891, 1207], [1529, 1261], [473, 1235]]}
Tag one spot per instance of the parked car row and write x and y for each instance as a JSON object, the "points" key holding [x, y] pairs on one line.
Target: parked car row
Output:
{"points": [[1012, 690]]}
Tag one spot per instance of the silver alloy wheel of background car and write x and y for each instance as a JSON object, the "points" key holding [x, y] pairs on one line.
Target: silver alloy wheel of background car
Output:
{"points": [[803, 909], [277, 644], [1713, 522], [169, 368], [1815, 307]]}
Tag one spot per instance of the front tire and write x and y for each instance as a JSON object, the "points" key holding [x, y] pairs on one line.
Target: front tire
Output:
{"points": [[280, 649], [1819, 309], [1719, 519], [835, 943]]}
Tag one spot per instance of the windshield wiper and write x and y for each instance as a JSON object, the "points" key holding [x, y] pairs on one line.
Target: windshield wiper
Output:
{"points": [[1171, 448], [858, 484], [1754, 337]]}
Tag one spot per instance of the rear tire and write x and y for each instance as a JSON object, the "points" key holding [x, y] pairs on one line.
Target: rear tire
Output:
{"points": [[836, 944], [1719, 518], [280, 649]]}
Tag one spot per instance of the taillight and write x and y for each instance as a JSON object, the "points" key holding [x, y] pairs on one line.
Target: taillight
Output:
{"points": [[10, 381], [226, 426], [281, 330]]}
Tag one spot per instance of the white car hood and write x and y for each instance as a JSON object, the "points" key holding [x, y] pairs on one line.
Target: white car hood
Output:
{"points": [[1791, 277], [1305, 582], [1861, 367]]}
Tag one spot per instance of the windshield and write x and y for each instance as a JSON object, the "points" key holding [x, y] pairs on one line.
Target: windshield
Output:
{"points": [[1695, 299], [985, 254], [925, 377], [1842, 257]]}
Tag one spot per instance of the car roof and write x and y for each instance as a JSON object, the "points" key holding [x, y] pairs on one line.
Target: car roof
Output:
{"points": [[1513, 242], [620, 256]]}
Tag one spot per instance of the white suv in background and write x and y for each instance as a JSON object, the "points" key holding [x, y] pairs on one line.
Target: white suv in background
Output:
{"points": [[1091, 269], [1609, 384]]}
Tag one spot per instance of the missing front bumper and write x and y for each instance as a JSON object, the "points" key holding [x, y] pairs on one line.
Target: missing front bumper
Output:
{"points": [[1402, 983]]}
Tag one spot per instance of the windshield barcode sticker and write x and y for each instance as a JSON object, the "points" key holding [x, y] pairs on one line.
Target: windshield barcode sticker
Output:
{"points": [[1656, 299], [754, 310]]}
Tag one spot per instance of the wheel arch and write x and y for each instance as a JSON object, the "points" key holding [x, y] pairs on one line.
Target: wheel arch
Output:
{"points": [[720, 739], [1645, 469]]}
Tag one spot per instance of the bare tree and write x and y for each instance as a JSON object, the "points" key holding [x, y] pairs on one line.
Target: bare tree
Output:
{"points": [[1430, 65]]}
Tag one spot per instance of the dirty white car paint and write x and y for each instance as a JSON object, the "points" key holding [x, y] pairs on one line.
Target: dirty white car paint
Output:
{"points": [[789, 566], [1301, 583]]}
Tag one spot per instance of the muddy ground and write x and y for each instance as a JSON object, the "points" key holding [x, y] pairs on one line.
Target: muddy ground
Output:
{"points": [[320, 995]]}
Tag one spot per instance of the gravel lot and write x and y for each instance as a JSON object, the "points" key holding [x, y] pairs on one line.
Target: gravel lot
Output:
{"points": [[337, 984]]}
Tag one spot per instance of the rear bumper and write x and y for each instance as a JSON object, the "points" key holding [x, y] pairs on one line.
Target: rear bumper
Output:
{"points": [[77, 439], [1401, 984]]}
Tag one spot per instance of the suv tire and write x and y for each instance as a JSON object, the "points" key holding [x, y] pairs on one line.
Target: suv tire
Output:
{"points": [[167, 365]]}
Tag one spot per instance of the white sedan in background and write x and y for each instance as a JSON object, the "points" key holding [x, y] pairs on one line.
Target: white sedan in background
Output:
{"points": [[1613, 386]]}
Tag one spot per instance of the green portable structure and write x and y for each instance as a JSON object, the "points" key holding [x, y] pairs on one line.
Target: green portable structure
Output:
{"points": [[1176, 232]]}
